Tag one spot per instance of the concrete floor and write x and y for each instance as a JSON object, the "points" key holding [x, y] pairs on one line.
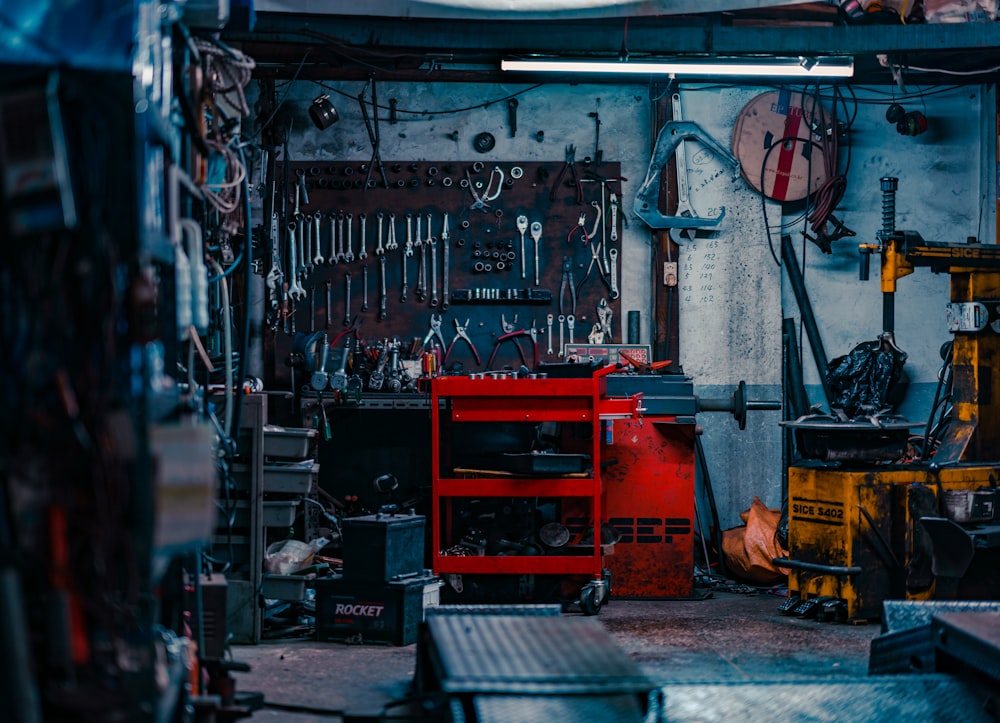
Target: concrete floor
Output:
{"points": [[728, 657]]}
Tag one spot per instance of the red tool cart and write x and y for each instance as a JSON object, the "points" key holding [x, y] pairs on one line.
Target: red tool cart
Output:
{"points": [[486, 400]]}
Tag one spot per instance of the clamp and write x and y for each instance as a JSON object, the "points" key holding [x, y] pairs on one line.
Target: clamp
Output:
{"points": [[567, 284], [460, 334], [569, 166], [435, 331]]}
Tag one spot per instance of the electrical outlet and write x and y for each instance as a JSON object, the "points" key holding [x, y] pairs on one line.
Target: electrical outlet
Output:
{"points": [[670, 273]]}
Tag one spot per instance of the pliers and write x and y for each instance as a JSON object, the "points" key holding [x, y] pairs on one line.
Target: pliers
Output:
{"points": [[435, 331], [570, 166], [511, 334], [567, 284], [460, 334]]}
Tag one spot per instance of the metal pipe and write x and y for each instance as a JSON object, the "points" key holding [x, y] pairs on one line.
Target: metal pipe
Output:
{"points": [[790, 262], [793, 367], [816, 567]]}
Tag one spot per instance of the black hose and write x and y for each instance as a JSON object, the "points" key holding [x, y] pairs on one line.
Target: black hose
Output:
{"points": [[707, 479], [790, 262], [793, 367]]}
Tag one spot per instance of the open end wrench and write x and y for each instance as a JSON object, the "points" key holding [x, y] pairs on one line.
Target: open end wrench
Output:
{"points": [[331, 257], [446, 248], [364, 287], [341, 254], [347, 299], [363, 253], [305, 244], [536, 236], [382, 313], [379, 217], [349, 254], [317, 227], [295, 290], [548, 320], [390, 243], [613, 253], [422, 275], [432, 242], [402, 293], [408, 248], [562, 338]]}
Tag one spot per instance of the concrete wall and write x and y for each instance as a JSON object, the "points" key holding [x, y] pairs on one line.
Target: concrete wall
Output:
{"points": [[732, 294]]}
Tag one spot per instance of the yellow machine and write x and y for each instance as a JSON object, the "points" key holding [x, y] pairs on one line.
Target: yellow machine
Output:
{"points": [[865, 527]]}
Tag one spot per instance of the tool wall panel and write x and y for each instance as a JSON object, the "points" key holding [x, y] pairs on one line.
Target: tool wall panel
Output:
{"points": [[348, 200]]}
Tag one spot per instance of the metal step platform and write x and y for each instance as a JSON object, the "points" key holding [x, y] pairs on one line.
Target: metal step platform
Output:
{"points": [[510, 668]]}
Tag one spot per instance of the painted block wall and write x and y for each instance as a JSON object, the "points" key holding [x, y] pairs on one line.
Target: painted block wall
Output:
{"points": [[730, 319]]}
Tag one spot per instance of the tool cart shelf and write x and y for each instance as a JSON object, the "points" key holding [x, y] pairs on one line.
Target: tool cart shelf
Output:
{"points": [[458, 401]]}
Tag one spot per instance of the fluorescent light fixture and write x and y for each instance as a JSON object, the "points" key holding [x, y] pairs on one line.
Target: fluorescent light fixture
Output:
{"points": [[797, 67]]}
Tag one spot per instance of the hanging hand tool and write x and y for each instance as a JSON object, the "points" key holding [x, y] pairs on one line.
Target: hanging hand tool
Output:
{"points": [[390, 242], [347, 298], [562, 338], [432, 242], [341, 252], [317, 240], [613, 203], [522, 228], [364, 287], [312, 309], [548, 320], [570, 325], [566, 284], [434, 332], [510, 334], [331, 257], [570, 167], [646, 204], [363, 252], [329, 297], [480, 203], [305, 244], [446, 249], [613, 273], [379, 250], [402, 292], [349, 254], [295, 290], [382, 312], [460, 333], [422, 265], [274, 276], [536, 236]]}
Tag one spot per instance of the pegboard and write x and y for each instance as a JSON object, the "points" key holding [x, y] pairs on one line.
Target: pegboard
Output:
{"points": [[349, 200]]}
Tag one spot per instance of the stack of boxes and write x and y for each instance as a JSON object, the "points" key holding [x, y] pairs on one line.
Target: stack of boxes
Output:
{"points": [[384, 588]]}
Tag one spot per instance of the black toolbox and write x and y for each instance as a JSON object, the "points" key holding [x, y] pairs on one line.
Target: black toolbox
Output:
{"points": [[379, 548], [374, 612]]}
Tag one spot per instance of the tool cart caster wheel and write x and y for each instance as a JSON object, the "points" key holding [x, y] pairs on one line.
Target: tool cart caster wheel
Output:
{"points": [[591, 600]]}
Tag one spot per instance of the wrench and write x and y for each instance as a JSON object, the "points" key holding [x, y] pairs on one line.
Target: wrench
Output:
{"points": [[390, 243], [274, 276], [363, 253], [317, 225], [341, 255], [331, 257], [536, 236], [364, 287], [347, 299], [295, 289], [445, 247], [382, 313], [402, 293], [522, 226], [300, 227], [349, 256], [418, 242], [307, 255], [422, 275], [562, 339], [432, 242], [614, 216], [570, 323], [379, 251], [329, 289], [312, 309], [614, 273], [548, 320], [408, 249]]}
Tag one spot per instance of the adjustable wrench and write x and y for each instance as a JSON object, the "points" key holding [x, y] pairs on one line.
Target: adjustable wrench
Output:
{"points": [[445, 247], [347, 299], [562, 338], [349, 255], [536, 236], [317, 225], [522, 227], [363, 253], [548, 320], [613, 253], [570, 324]]}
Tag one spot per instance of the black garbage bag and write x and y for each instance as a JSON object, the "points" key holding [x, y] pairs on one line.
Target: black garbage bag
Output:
{"points": [[862, 380]]}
